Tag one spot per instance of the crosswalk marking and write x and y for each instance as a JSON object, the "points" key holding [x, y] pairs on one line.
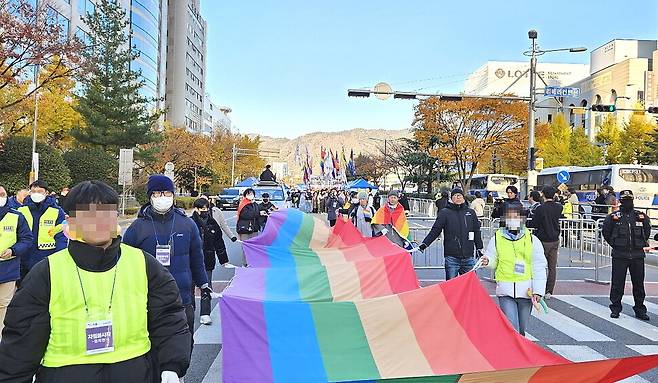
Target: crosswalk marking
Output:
{"points": [[530, 337], [570, 327], [644, 349], [214, 374], [651, 307], [585, 354], [210, 334], [631, 324]]}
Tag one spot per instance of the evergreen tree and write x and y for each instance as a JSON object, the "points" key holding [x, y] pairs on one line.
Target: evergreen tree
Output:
{"points": [[115, 114]]}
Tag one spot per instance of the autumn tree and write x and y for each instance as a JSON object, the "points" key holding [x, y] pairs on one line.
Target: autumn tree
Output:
{"points": [[563, 146], [115, 113], [635, 139], [410, 163], [371, 168], [190, 153], [463, 133], [31, 37], [609, 136], [222, 142]]}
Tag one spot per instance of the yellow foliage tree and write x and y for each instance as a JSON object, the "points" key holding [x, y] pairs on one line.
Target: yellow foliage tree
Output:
{"points": [[222, 142]]}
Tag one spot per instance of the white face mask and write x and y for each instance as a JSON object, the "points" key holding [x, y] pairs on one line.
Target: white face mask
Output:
{"points": [[3, 201], [162, 204], [392, 205], [513, 223], [37, 197], [250, 197]]}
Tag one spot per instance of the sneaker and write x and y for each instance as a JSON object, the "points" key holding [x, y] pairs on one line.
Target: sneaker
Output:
{"points": [[614, 315], [228, 266], [215, 295], [205, 319], [547, 296], [643, 316]]}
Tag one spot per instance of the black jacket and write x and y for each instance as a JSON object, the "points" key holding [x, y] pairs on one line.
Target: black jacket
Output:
{"points": [[456, 222], [627, 232], [267, 175], [248, 219], [499, 207], [27, 326], [267, 207], [404, 201], [546, 221], [211, 233]]}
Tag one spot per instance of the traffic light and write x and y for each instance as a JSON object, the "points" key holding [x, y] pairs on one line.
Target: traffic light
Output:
{"points": [[653, 109], [604, 108]]}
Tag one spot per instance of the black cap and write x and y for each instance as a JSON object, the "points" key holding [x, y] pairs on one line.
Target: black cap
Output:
{"points": [[626, 194], [266, 195], [457, 191]]}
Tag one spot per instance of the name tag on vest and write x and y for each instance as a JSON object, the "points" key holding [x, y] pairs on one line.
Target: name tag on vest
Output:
{"points": [[99, 337], [519, 268]]}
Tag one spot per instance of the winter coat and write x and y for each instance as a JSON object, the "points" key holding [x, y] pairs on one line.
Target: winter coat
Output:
{"points": [[37, 210], [627, 232], [267, 175], [27, 326], [332, 205], [181, 232], [10, 269], [520, 289], [546, 221], [267, 207], [248, 219], [478, 206], [13, 203], [213, 243], [404, 201], [461, 231], [361, 218], [218, 215]]}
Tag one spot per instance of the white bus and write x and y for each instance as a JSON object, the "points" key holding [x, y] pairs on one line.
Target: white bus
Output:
{"points": [[641, 179], [493, 184]]}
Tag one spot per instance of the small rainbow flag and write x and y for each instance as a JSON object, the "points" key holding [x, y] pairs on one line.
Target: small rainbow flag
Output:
{"points": [[315, 311]]}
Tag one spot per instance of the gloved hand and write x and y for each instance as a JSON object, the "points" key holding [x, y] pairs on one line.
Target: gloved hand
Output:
{"points": [[367, 219], [233, 239], [206, 288], [422, 247], [169, 377], [384, 231]]}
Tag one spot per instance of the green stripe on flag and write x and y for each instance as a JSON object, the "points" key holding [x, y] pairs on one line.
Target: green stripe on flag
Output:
{"points": [[314, 284], [343, 344], [305, 233]]}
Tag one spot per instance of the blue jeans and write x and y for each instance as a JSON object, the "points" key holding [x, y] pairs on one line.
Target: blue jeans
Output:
{"points": [[459, 266], [517, 311]]}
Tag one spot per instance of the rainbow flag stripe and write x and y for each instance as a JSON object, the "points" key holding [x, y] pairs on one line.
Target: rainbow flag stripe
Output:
{"points": [[315, 310]]}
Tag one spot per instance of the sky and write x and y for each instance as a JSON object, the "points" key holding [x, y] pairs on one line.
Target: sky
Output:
{"points": [[284, 66]]}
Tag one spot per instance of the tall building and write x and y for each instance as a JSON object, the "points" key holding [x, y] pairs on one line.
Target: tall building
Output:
{"points": [[186, 63], [148, 31]]}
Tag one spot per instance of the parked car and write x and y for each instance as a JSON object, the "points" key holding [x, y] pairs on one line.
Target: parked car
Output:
{"points": [[277, 192], [229, 199]]}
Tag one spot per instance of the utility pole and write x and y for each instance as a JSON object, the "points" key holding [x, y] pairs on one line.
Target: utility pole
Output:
{"points": [[532, 34], [233, 167], [34, 173]]}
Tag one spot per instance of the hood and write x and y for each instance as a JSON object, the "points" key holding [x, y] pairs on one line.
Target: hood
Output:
{"points": [[92, 258]]}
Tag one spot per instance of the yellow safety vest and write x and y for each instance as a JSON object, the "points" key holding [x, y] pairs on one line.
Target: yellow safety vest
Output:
{"points": [[67, 344], [47, 223], [8, 227], [509, 253], [567, 210]]}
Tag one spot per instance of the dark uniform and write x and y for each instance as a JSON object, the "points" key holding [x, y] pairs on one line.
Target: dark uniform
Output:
{"points": [[627, 232]]}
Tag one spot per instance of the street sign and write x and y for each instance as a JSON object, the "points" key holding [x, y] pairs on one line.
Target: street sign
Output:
{"points": [[126, 166], [562, 188], [578, 110], [169, 166], [558, 91], [563, 176]]}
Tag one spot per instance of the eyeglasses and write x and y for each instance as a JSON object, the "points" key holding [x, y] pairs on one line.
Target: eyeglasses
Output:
{"points": [[162, 193]]}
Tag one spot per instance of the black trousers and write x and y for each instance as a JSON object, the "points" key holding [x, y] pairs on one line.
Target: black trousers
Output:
{"points": [[189, 313], [332, 222], [636, 267]]}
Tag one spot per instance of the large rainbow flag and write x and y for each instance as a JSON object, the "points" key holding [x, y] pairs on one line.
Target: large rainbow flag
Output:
{"points": [[315, 310]]}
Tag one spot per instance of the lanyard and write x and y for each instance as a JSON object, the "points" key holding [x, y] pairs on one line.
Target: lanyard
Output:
{"points": [[84, 297], [171, 234]]}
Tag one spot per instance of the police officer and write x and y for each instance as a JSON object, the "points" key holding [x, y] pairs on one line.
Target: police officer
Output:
{"points": [[97, 311], [627, 231]]}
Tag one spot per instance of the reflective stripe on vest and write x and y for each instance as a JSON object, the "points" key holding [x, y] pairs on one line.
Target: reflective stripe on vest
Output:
{"points": [[67, 343], [509, 252], [46, 238], [8, 227]]}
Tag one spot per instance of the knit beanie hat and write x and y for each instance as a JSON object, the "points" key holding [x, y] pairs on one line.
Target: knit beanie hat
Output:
{"points": [[159, 182]]}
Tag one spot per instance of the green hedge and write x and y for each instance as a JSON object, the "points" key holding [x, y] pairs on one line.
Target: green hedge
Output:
{"points": [[185, 202]]}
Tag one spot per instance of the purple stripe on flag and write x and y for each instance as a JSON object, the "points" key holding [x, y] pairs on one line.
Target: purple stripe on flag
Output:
{"points": [[245, 349], [248, 282]]}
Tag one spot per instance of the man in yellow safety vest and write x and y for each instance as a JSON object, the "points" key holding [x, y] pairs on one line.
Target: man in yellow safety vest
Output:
{"points": [[98, 310], [44, 217]]}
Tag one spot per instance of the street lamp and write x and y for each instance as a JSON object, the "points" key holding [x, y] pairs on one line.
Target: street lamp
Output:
{"points": [[533, 53]]}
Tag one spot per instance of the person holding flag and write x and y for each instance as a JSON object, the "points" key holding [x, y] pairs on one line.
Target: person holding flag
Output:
{"points": [[390, 220]]}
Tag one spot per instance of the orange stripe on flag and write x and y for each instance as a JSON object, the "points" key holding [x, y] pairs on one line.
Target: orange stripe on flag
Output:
{"points": [[522, 375], [374, 278], [391, 338], [444, 342]]}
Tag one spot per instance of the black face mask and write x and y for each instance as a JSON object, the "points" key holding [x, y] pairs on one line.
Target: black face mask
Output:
{"points": [[204, 214], [627, 204], [265, 200]]}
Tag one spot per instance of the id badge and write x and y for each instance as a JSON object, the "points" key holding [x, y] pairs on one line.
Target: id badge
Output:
{"points": [[639, 224], [163, 254], [100, 338], [519, 268], [471, 236]]}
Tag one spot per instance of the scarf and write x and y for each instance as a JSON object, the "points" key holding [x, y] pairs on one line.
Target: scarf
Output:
{"points": [[243, 202], [395, 218]]}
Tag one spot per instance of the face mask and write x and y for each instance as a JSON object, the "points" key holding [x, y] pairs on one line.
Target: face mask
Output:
{"points": [[3, 201], [627, 204], [37, 197], [204, 214], [513, 223], [266, 200], [162, 204], [355, 200], [250, 197], [392, 206]]}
